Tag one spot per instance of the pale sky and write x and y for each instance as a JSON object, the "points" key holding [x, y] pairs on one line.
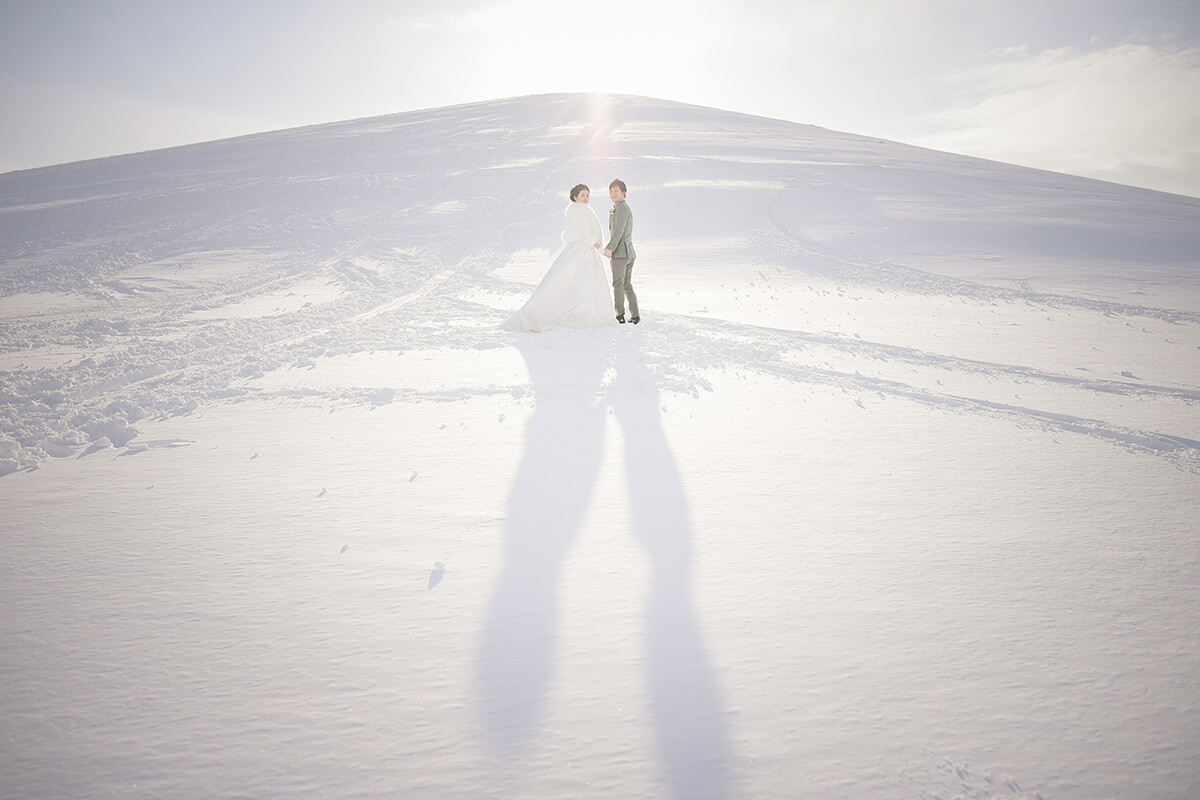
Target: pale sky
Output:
{"points": [[1104, 88]]}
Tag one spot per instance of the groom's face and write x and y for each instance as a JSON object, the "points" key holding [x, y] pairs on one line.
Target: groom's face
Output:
{"points": [[616, 194]]}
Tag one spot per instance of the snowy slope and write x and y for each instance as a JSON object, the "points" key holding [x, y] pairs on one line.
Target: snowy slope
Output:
{"points": [[893, 493]]}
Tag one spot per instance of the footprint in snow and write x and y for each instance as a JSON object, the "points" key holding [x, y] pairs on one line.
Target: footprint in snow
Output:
{"points": [[102, 443], [435, 577], [345, 547], [322, 492], [412, 477]]}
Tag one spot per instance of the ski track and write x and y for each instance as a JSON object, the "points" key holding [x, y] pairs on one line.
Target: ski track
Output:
{"points": [[60, 410]]}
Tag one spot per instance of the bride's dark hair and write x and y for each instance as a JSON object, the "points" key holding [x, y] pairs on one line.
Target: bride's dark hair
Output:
{"points": [[583, 187]]}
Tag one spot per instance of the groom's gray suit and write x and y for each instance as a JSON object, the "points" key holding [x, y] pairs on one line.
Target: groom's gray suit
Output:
{"points": [[620, 227]]}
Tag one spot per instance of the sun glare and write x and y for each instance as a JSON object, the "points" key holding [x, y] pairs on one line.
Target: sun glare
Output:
{"points": [[629, 47]]}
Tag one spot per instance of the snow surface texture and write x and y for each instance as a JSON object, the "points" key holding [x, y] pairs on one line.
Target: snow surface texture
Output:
{"points": [[893, 493]]}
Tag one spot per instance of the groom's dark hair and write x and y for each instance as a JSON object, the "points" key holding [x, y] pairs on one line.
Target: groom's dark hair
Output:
{"points": [[620, 184], [580, 187]]}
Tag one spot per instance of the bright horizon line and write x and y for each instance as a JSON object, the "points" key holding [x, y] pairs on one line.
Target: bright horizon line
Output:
{"points": [[234, 136]]}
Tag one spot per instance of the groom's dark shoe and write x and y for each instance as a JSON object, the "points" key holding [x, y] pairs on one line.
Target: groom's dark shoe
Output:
{"points": [[621, 318], [635, 320]]}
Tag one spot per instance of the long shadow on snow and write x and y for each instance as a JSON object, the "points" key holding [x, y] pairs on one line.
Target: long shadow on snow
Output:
{"points": [[551, 494]]}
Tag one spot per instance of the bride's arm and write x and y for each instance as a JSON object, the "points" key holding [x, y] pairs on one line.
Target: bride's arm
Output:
{"points": [[577, 230], [569, 234], [595, 234]]}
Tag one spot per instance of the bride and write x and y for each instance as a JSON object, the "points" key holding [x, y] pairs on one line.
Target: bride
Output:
{"points": [[575, 291]]}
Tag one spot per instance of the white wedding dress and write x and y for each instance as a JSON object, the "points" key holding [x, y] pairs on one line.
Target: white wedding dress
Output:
{"points": [[576, 292]]}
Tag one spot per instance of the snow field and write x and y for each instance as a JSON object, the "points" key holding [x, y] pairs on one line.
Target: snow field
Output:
{"points": [[892, 493]]}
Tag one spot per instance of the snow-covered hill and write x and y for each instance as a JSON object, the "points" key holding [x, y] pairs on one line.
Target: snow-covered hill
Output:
{"points": [[893, 493]]}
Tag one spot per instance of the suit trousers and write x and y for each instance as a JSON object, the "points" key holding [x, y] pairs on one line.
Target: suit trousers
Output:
{"points": [[622, 272]]}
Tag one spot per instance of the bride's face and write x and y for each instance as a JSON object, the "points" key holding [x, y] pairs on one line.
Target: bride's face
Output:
{"points": [[582, 197]]}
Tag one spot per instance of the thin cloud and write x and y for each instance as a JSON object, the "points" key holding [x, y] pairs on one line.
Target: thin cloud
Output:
{"points": [[1128, 113]]}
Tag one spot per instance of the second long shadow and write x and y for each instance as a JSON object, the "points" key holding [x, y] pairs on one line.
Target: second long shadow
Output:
{"points": [[550, 496]]}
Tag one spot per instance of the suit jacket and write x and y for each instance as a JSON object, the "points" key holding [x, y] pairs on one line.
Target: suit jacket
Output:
{"points": [[620, 227]]}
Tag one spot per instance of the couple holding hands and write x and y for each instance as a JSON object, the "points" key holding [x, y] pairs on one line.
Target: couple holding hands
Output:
{"points": [[574, 292]]}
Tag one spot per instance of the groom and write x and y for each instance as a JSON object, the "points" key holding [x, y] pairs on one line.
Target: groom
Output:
{"points": [[620, 250]]}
